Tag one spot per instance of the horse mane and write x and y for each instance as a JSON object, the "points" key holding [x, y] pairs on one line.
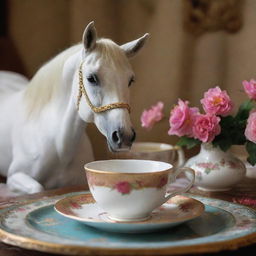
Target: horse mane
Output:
{"points": [[47, 81]]}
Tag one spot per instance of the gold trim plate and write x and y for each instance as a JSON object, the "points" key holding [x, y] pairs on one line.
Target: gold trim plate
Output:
{"points": [[239, 212]]}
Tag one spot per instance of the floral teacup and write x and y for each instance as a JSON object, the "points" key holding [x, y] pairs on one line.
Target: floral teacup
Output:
{"points": [[129, 190]]}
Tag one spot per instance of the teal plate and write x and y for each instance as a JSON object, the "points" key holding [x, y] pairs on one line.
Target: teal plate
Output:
{"points": [[38, 226]]}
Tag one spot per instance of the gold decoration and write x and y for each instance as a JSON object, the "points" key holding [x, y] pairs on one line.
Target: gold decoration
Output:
{"points": [[136, 180], [211, 15], [82, 91]]}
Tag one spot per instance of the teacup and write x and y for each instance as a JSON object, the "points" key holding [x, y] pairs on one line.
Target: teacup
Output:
{"points": [[129, 190], [153, 151]]}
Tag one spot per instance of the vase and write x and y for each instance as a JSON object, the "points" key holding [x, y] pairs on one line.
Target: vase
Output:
{"points": [[216, 170], [250, 171]]}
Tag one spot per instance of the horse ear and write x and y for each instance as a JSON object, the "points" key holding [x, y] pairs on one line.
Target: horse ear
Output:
{"points": [[133, 47], [90, 37]]}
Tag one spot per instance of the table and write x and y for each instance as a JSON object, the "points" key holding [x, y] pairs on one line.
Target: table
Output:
{"points": [[246, 189]]}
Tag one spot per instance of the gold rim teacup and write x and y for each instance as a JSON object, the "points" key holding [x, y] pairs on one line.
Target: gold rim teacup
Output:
{"points": [[129, 189]]}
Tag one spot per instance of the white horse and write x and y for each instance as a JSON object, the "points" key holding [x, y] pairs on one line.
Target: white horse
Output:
{"points": [[42, 121]]}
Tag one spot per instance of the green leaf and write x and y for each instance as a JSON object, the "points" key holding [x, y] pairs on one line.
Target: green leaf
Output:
{"points": [[237, 134], [223, 141], [232, 133], [227, 121], [244, 110], [251, 149], [188, 142]]}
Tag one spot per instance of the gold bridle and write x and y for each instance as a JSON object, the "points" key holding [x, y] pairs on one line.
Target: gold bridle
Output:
{"points": [[82, 91]]}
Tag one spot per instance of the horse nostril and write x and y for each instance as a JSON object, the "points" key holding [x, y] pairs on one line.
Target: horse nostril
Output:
{"points": [[115, 137], [133, 136], [119, 137]]}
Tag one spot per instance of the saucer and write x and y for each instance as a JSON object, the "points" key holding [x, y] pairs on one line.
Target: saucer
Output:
{"points": [[84, 209]]}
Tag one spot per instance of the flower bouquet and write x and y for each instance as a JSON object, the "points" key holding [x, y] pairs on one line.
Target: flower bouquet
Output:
{"points": [[216, 125], [216, 130]]}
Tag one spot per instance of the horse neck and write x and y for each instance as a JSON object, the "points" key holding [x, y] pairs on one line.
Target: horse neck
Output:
{"points": [[71, 126]]}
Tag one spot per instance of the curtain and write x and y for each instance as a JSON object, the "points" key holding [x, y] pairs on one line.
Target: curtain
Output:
{"points": [[174, 64]]}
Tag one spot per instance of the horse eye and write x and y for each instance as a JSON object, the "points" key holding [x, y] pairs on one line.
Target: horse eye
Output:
{"points": [[131, 81], [93, 79]]}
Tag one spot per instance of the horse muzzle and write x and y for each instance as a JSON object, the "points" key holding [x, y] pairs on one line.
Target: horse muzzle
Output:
{"points": [[119, 140]]}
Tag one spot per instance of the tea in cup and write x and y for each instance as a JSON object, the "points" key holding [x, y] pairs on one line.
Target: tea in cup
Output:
{"points": [[129, 190]]}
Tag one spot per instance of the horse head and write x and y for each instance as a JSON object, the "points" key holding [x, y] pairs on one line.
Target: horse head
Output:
{"points": [[104, 78]]}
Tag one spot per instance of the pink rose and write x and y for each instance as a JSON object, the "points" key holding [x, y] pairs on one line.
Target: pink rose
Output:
{"points": [[217, 102], [123, 187], [151, 116], [163, 181], [250, 130], [181, 119], [250, 88], [206, 127]]}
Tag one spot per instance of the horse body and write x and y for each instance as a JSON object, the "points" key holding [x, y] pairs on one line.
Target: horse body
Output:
{"points": [[36, 148], [11, 87], [43, 142]]}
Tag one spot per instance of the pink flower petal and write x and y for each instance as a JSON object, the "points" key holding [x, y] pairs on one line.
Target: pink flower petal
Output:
{"points": [[250, 88], [181, 119], [153, 115], [250, 130], [206, 127], [217, 102]]}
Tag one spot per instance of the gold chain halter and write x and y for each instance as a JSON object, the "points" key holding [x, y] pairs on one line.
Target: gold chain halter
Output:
{"points": [[82, 91]]}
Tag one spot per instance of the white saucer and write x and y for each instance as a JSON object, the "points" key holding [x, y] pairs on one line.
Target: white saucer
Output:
{"points": [[84, 209]]}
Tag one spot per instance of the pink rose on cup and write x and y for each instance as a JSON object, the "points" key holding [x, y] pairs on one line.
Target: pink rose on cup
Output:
{"points": [[250, 130], [123, 187], [217, 102], [163, 181], [250, 88], [181, 119], [206, 127], [153, 115]]}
